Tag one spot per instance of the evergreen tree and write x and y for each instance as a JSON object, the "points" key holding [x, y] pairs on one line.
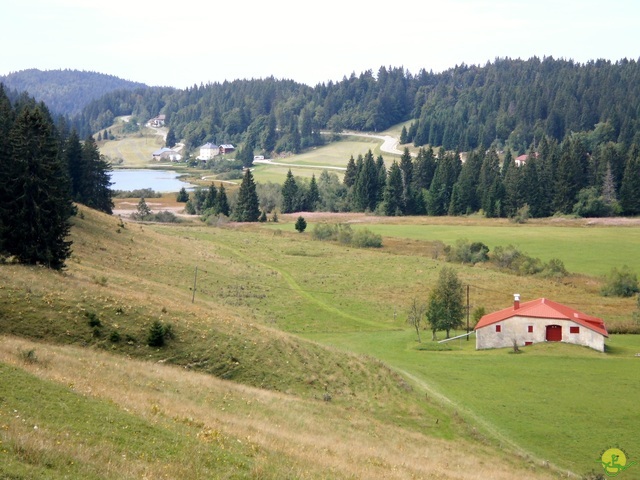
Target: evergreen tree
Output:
{"points": [[382, 177], [247, 208], [313, 197], [222, 203], [39, 192], [211, 198], [514, 189], [569, 176], [465, 193], [630, 188], [289, 194], [393, 191], [406, 167], [171, 138], [489, 174], [6, 122], [366, 187], [182, 196], [76, 166], [444, 178], [403, 135], [301, 224], [424, 169], [270, 136], [96, 190], [351, 173]]}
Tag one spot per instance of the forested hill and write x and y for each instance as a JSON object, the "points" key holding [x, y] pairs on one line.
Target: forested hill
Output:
{"points": [[65, 92], [505, 103]]}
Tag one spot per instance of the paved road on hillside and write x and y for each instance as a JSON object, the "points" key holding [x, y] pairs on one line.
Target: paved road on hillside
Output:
{"points": [[389, 145]]}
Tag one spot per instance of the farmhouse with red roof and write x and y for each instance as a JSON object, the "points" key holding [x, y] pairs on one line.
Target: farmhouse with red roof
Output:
{"points": [[536, 321]]}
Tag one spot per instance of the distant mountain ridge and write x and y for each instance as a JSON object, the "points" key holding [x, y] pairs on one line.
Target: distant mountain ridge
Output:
{"points": [[66, 92]]}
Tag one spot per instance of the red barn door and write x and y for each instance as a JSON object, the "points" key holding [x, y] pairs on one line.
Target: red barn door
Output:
{"points": [[554, 333]]}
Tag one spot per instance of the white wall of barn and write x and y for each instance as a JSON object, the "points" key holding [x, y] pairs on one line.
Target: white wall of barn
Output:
{"points": [[518, 328]]}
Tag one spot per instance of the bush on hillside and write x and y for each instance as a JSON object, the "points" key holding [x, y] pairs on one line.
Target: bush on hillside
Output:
{"points": [[465, 251], [620, 283]]}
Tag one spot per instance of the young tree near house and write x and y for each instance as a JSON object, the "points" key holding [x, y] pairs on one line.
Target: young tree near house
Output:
{"points": [[416, 315], [445, 308], [247, 208]]}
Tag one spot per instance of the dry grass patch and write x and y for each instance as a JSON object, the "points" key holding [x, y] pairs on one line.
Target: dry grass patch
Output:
{"points": [[280, 433]]}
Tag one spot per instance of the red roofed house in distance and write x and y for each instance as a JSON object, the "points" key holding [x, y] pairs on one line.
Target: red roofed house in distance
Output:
{"points": [[537, 321]]}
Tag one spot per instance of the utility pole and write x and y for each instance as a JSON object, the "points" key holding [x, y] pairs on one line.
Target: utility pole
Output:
{"points": [[468, 308], [195, 281]]}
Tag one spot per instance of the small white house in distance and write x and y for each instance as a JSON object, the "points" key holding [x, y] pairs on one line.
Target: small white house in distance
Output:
{"points": [[166, 154], [208, 151], [536, 321]]}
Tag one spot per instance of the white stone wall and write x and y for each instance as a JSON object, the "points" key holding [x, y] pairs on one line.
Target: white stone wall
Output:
{"points": [[517, 328]]}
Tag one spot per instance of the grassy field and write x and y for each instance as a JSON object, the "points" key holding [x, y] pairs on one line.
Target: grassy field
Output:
{"points": [[292, 358], [132, 150], [233, 388]]}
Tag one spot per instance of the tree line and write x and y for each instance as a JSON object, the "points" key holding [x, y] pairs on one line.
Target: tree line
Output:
{"points": [[44, 170], [505, 103], [572, 177]]}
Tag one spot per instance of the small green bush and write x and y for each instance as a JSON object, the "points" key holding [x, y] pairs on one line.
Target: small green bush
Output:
{"points": [[159, 333], [465, 251], [365, 238], [620, 283], [93, 320]]}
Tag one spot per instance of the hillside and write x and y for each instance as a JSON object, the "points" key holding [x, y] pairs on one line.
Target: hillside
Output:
{"points": [[65, 92], [293, 408]]}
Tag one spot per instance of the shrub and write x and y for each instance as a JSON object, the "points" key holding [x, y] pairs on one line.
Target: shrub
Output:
{"points": [[522, 215], [465, 251], [620, 283], [345, 234], [506, 257], [324, 231], [159, 333], [93, 320], [365, 238]]}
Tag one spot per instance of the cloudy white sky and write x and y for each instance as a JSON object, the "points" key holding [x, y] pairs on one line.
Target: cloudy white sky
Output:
{"points": [[187, 42]]}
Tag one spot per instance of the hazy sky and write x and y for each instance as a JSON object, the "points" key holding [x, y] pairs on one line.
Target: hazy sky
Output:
{"points": [[187, 42]]}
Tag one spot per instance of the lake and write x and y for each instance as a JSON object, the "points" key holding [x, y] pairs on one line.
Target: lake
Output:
{"points": [[161, 181]]}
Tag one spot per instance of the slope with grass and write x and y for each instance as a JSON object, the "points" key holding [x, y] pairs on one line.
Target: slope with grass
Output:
{"points": [[231, 387]]}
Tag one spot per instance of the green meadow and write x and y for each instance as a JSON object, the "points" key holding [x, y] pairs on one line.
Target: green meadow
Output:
{"points": [[292, 358]]}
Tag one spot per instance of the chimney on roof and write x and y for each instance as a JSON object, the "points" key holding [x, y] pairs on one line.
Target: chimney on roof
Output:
{"points": [[516, 301]]}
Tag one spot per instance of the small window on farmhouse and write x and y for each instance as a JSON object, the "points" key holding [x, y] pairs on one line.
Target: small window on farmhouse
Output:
{"points": [[574, 329], [498, 328], [526, 344], [530, 328]]}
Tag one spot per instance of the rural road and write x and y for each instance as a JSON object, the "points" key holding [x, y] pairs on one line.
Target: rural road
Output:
{"points": [[389, 145]]}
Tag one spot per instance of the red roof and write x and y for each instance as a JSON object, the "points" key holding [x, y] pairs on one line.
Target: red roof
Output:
{"points": [[545, 308]]}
